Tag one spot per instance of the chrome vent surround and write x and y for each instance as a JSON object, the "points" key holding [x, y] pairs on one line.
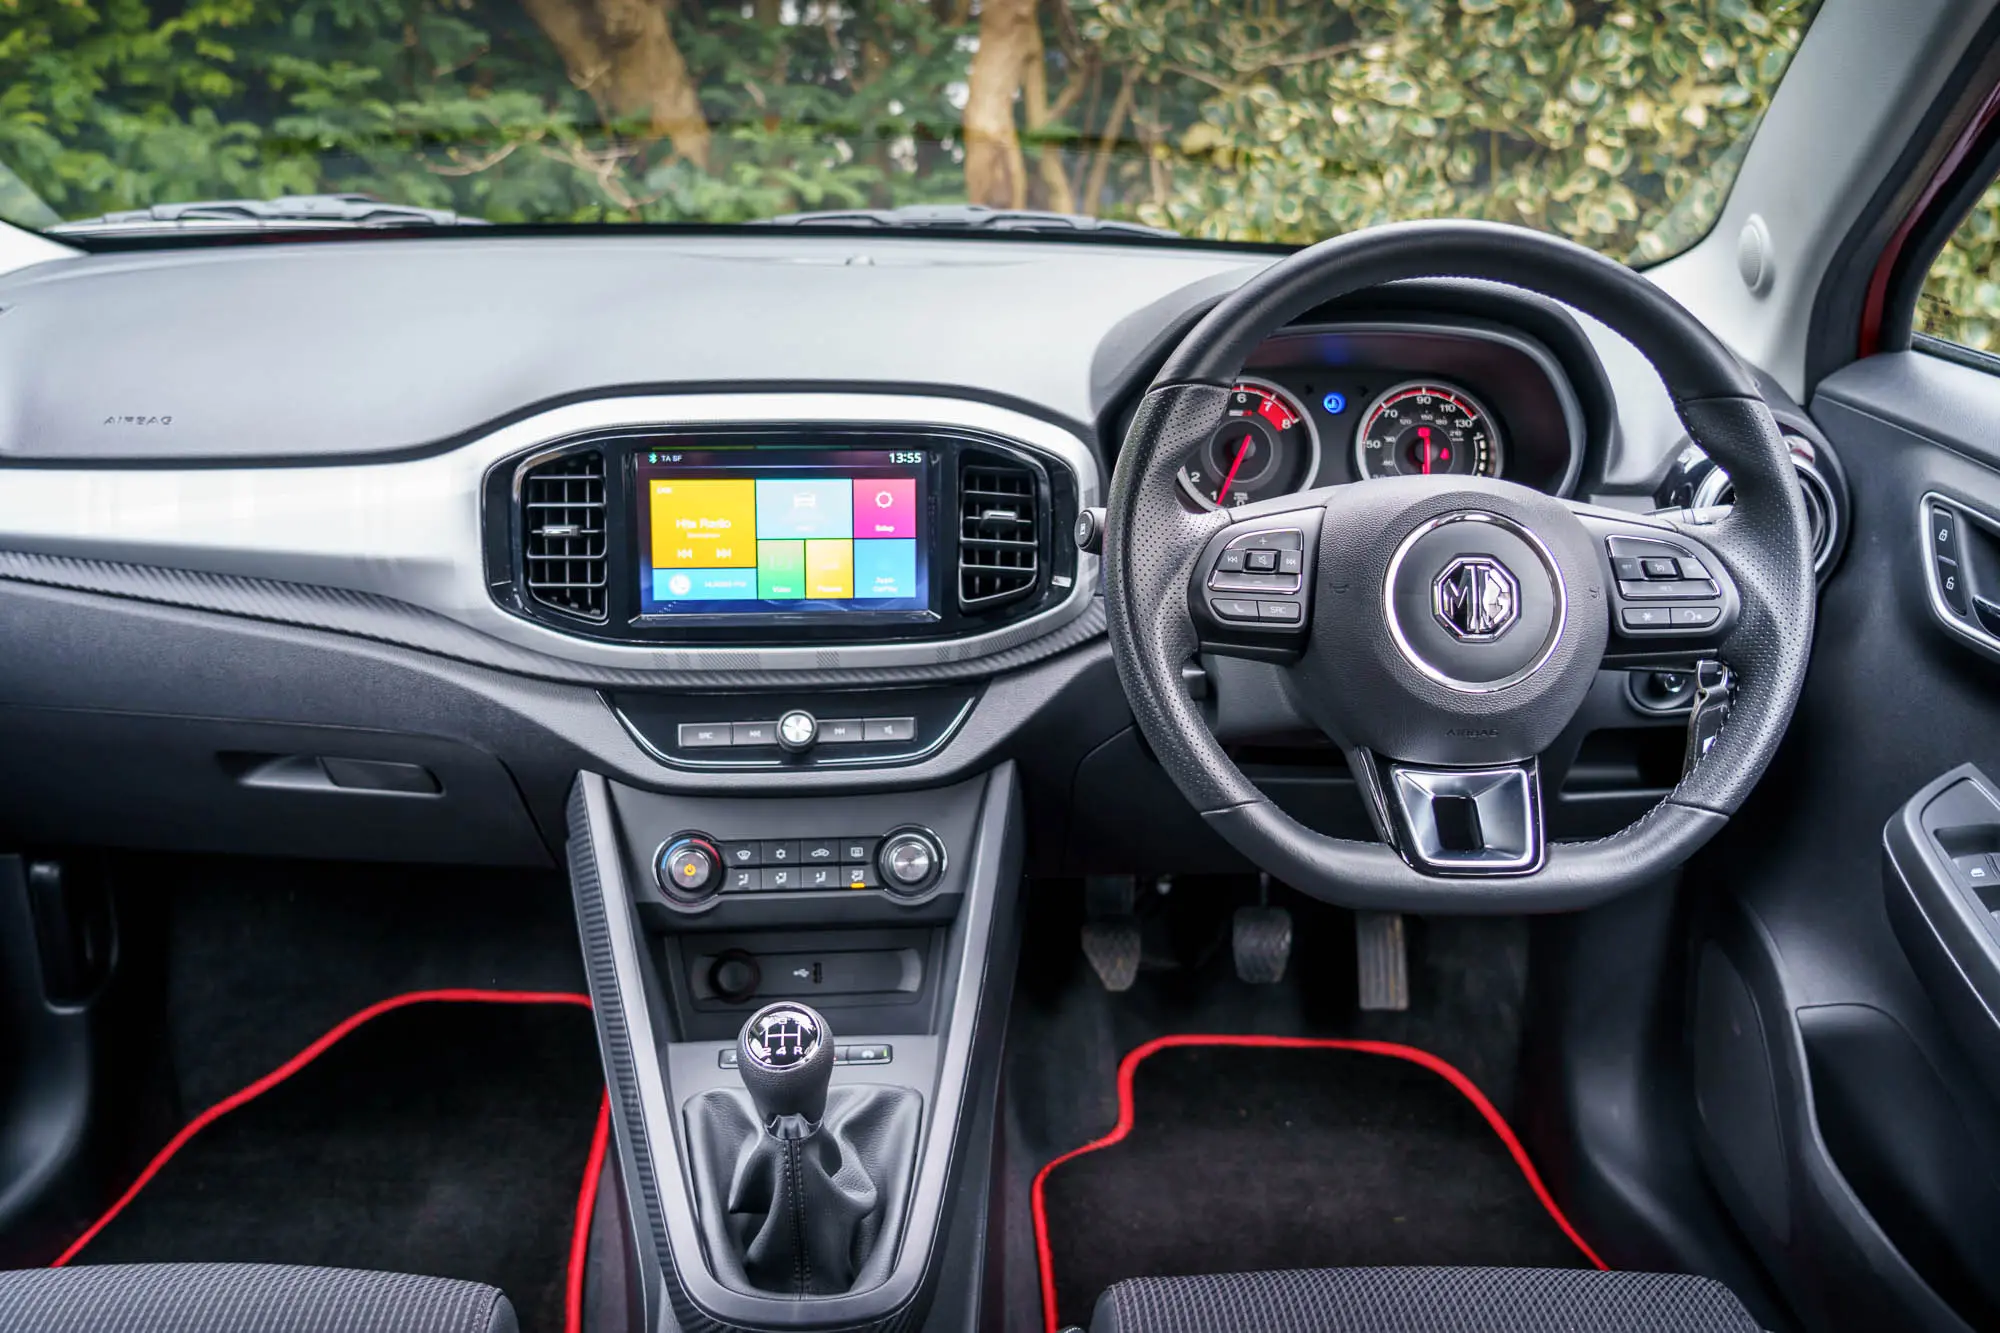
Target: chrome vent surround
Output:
{"points": [[1821, 511], [1000, 532], [563, 559]]}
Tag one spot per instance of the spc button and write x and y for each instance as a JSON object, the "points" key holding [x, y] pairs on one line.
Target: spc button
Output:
{"points": [[704, 735], [840, 731], [1288, 612], [1645, 617], [1695, 616]]}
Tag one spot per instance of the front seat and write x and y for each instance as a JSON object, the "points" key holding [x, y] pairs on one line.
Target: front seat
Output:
{"points": [[1422, 1300], [245, 1298]]}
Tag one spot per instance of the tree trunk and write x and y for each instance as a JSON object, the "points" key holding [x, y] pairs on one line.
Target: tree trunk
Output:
{"points": [[623, 54], [995, 171]]}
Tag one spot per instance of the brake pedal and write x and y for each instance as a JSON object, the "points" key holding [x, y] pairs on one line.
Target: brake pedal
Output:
{"points": [[1382, 960], [1111, 940], [1261, 940]]}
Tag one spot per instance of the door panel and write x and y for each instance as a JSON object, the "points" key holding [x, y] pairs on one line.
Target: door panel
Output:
{"points": [[1887, 1138]]}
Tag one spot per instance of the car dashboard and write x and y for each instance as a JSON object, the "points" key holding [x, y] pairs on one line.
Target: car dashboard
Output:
{"points": [[498, 509]]}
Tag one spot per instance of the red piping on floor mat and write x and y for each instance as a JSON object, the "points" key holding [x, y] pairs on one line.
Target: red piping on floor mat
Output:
{"points": [[1130, 1064], [320, 1047], [586, 1206]]}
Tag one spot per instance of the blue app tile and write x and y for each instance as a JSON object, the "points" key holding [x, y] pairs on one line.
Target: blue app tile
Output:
{"points": [[885, 568], [792, 509], [704, 585]]}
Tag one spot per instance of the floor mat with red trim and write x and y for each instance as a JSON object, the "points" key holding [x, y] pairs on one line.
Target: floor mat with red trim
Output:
{"points": [[1237, 1158], [446, 1138]]}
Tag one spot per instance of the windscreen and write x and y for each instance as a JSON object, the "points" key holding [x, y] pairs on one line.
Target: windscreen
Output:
{"points": [[1619, 125]]}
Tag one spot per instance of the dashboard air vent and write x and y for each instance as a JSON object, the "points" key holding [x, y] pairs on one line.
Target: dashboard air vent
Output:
{"points": [[1822, 511], [999, 532], [562, 519]]}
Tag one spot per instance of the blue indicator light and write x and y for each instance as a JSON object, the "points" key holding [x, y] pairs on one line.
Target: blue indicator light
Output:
{"points": [[1334, 403]]}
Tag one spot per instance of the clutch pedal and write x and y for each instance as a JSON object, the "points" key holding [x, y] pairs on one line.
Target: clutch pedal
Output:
{"points": [[1111, 940]]}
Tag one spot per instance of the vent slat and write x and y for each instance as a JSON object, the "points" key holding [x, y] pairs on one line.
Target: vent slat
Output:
{"points": [[1000, 532], [562, 505]]}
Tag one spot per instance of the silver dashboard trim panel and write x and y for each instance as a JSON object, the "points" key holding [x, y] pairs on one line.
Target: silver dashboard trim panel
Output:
{"points": [[412, 530]]}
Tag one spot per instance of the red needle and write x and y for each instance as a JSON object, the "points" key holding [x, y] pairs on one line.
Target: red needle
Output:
{"points": [[1242, 452], [1424, 434]]}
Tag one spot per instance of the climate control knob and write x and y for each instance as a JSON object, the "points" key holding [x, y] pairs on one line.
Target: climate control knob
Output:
{"points": [[910, 860], [689, 867]]}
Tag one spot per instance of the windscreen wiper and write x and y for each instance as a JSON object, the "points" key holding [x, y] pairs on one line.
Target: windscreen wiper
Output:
{"points": [[301, 212], [964, 217]]}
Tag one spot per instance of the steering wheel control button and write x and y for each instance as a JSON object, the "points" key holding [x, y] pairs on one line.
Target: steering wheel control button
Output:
{"points": [[797, 730], [1667, 572], [1235, 608], [689, 868], [1261, 561], [1289, 613], [910, 861], [840, 731], [1249, 594], [1474, 601]]}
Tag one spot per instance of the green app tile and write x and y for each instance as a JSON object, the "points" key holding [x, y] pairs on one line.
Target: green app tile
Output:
{"points": [[781, 569]]}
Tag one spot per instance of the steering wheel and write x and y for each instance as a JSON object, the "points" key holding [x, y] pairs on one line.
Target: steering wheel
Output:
{"points": [[1444, 630]]}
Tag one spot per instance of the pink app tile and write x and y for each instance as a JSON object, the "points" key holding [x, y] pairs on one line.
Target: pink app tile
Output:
{"points": [[885, 507]]}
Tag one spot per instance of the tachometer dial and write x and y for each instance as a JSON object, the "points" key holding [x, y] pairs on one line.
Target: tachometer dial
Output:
{"points": [[1266, 446], [1427, 428]]}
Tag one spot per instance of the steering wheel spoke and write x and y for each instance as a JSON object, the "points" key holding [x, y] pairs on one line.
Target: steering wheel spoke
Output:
{"points": [[1251, 591], [1465, 821]]}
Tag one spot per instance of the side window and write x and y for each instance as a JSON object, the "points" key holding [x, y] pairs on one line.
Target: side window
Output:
{"points": [[1960, 302]]}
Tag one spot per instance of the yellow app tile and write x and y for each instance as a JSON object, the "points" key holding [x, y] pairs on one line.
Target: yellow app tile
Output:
{"points": [[830, 568], [704, 524]]}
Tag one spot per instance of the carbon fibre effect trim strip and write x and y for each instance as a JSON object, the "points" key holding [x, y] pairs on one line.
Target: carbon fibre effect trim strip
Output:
{"points": [[386, 620]]}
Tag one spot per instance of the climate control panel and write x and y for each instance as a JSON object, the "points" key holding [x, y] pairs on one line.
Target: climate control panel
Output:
{"points": [[692, 868]]}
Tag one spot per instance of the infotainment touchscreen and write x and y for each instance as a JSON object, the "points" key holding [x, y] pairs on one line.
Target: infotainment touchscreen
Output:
{"points": [[734, 531]]}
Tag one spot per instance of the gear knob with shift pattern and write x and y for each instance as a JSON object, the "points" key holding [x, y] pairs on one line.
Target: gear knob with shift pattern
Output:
{"points": [[785, 1056]]}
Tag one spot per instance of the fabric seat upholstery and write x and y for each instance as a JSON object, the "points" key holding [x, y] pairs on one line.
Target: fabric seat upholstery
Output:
{"points": [[244, 1298], [1423, 1300]]}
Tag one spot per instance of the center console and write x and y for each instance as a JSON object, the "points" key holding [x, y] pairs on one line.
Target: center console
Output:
{"points": [[871, 934]]}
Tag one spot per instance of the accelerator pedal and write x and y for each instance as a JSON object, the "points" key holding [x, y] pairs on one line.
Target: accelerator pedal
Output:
{"points": [[1111, 940], [1382, 960]]}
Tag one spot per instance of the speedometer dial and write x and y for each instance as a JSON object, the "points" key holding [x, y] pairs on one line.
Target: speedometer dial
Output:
{"points": [[1427, 428], [1265, 446]]}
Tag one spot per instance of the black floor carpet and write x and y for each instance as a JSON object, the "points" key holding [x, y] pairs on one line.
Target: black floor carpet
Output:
{"points": [[444, 1138], [1244, 1159]]}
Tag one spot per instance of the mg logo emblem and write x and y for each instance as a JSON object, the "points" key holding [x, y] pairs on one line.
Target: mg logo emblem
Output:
{"points": [[1476, 598]]}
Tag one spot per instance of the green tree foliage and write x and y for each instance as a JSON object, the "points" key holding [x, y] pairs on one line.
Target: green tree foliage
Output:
{"points": [[1616, 122], [1960, 301]]}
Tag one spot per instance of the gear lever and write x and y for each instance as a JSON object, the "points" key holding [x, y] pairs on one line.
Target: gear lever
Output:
{"points": [[785, 1055]]}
